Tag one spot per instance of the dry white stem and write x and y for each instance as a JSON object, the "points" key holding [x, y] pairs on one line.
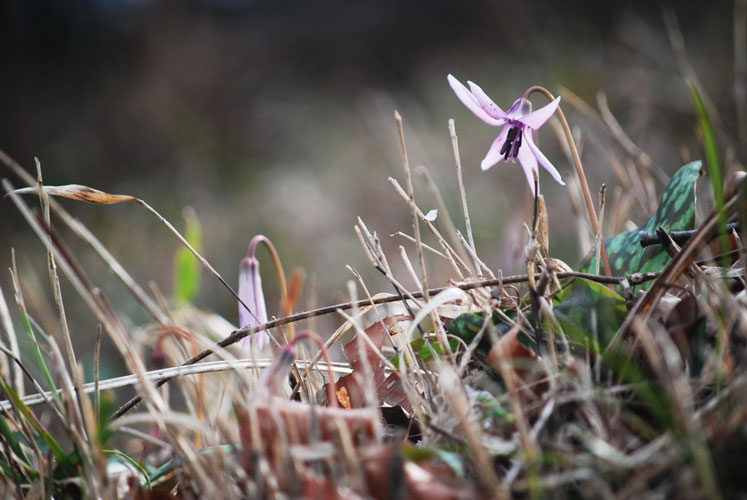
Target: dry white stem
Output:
{"points": [[480, 264], [408, 265], [10, 331], [426, 247], [462, 193], [455, 260], [411, 198], [451, 229]]}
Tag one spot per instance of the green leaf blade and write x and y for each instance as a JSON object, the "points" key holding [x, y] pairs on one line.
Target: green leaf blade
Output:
{"points": [[187, 270]]}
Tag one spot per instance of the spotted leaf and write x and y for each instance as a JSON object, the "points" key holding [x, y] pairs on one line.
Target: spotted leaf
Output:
{"points": [[676, 212]]}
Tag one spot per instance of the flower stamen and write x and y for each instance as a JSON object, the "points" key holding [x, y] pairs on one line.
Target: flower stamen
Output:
{"points": [[513, 142]]}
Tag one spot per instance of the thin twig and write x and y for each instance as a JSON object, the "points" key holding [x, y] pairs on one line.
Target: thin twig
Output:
{"points": [[236, 335], [679, 237]]}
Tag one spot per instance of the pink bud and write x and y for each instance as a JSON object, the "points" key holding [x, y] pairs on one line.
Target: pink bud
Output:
{"points": [[253, 311]]}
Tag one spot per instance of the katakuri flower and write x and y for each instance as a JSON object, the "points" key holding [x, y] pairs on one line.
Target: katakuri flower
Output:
{"points": [[251, 294], [515, 140]]}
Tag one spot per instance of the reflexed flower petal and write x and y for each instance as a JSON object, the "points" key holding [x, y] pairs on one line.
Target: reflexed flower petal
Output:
{"points": [[486, 102], [472, 103], [529, 165], [538, 118], [519, 122], [494, 153], [543, 159]]}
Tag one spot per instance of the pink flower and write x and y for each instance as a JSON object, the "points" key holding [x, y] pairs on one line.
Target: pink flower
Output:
{"points": [[515, 140], [250, 292]]}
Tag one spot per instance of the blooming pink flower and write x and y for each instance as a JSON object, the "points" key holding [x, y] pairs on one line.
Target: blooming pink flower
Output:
{"points": [[250, 292], [515, 140]]}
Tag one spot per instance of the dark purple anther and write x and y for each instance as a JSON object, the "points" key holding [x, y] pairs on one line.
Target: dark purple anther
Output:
{"points": [[513, 141]]}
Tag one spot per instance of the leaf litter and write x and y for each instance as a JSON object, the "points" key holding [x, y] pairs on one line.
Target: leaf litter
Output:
{"points": [[550, 384]]}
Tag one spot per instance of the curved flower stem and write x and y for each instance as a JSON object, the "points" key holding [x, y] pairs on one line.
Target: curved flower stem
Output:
{"points": [[284, 301], [581, 175]]}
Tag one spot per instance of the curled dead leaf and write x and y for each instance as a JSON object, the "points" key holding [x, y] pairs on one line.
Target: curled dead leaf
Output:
{"points": [[351, 388], [80, 193]]}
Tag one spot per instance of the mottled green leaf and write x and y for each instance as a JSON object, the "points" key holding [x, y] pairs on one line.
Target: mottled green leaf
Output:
{"points": [[186, 267], [466, 326], [676, 212], [589, 311], [422, 351]]}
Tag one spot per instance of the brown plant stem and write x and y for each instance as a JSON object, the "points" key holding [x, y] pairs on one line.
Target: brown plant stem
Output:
{"points": [[580, 171], [285, 304]]}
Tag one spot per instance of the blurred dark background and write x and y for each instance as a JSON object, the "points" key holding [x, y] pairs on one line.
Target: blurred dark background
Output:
{"points": [[276, 117]]}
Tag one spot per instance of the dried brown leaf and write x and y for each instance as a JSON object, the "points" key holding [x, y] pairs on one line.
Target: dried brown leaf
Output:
{"points": [[388, 390], [80, 193]]}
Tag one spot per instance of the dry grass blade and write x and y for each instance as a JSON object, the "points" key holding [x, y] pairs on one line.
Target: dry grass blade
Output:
{"points": [[81, 231], [451, 229], [411, 198], [457, 263], [110, 324], [91, 195], [617, 132], [239, 334], [425, 247], [479, 389], [10, 331], [462, 193], [80, 193], [175, 372], [53, 276]]}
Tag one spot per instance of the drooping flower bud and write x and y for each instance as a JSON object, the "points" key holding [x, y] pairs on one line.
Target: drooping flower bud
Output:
{"points": [[253, 311]]}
